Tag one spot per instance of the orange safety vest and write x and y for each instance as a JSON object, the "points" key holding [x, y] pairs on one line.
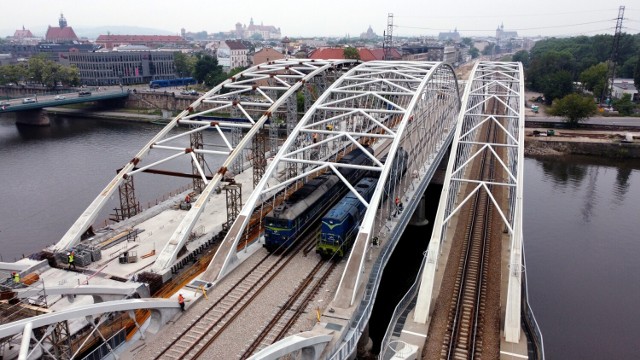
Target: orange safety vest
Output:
{"points": [[180, 299], [397, 201]]}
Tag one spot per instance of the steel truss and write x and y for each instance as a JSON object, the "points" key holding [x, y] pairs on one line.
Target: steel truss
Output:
{"points": [[490, 82], [382, 104], [256, 95], [48, 335]]}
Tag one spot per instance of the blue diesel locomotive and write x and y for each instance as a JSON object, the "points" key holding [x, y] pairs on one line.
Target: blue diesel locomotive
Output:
{"points": [[340, 224], [289, 220]]}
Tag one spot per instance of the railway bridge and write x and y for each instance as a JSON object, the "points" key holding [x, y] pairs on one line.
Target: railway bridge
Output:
{"points": [[387, 106]]}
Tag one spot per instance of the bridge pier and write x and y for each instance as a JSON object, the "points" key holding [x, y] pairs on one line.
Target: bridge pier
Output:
{"points": [[419, 217], [36, 117], [365, 344]]}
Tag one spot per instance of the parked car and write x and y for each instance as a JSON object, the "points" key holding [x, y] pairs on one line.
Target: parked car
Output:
{"points": [[59, 97], [28, 100], [84, 93]]}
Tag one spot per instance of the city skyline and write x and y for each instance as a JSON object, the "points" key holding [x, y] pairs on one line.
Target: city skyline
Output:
{"points": [[331, 18]]}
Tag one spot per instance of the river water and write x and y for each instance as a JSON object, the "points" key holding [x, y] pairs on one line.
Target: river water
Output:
{"points": [[580, 225]]}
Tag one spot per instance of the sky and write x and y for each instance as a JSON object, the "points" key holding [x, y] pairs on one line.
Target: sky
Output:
{"points": [[329, 17]]}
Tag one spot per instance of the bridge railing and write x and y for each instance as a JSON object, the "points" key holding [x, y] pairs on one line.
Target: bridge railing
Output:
{"points": [[403, 307]]}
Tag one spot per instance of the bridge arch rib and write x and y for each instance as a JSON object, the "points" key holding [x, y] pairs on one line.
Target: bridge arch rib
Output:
{"points": [[386, 105], [393, 107], [503, 83], [162, 309], [259, 95]]}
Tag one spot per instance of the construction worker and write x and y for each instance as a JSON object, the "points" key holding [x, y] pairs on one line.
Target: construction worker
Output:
{"points": [[72, 260], [315, 138], [16, 278], [187, 199], [181, 301], [399, 207]]}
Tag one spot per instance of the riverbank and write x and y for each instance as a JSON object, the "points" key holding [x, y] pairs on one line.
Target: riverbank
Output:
{"points": [[593, 141], [105, 115], [611, 144]]}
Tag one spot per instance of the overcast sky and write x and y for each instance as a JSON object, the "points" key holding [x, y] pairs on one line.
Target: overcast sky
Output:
{"points": [[328, 17]]}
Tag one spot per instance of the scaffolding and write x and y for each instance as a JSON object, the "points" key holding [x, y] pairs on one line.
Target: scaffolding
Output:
{"points": [[197, 143], [129, 205], [234, 203], [259, 150]]}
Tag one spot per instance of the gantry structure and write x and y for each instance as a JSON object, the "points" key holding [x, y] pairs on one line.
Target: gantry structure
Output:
{"points": [[260, 99]]}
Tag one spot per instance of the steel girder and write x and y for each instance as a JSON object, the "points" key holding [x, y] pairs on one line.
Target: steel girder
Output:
{"points": [[501, 82], [387, 105], [257, 94]]}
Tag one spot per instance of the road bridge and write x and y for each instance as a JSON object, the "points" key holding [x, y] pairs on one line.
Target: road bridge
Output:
{"points": [[31, 112]]}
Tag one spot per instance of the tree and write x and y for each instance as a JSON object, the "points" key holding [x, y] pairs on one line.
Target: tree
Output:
{"points": [[624, 106], [636, 75], [36, 68], [12, 73], [595, 78], [351, 53], [184, 63], [489, 49], [544, 66], [523, 57], [556, 85], [574, 107], [467, 41], [207, 70], [474, 52]]}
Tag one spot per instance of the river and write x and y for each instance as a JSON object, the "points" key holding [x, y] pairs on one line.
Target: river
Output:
{"points": [[580, 224]]}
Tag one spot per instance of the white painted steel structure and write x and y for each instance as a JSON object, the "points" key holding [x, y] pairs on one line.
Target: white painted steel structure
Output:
{"points": [[255, 96], [502, 82], [161, 311], [386, 104]]}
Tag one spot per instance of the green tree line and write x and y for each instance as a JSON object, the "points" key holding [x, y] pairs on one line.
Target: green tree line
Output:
{"points": [[40, 70], [202, 67], [554, 65]]}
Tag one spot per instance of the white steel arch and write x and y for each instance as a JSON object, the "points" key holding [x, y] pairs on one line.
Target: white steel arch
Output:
{"points": [[501, 82], [252, 97], [387, 105]]}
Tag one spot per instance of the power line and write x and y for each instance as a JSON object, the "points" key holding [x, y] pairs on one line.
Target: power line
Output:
{"points": [[507, 15], [589, 32], [520, 29]]}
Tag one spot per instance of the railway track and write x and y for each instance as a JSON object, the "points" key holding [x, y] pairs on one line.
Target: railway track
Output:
{"points": [[463, 338], [201, 333], [291, 311]]}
